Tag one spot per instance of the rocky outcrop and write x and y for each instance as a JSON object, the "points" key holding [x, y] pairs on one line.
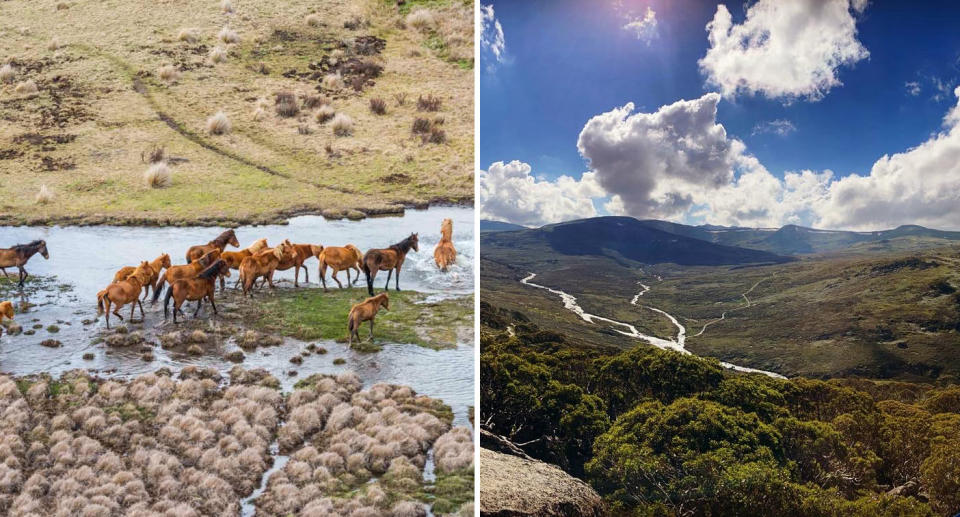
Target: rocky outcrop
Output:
{"points": [[517, 487]]}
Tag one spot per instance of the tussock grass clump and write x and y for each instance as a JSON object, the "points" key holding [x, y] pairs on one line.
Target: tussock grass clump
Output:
{"points": [[158, 175], [333, 82], [53, 45], [378, 106], [217, 55], [27, 87], [342, 125], [304, 129], [324, 114], [188, 36], [45, 195], [228, 35], [454, 450], [168, 73], [436, 136], [226, 6], [421, 19], [218, 124], [313, 20], [401, 98], [7, 73], [285, 104], [157, 154], [428, 103], [421, 126], [315, 101]]}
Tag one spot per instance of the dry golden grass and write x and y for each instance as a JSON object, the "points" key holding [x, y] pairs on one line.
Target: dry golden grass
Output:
{"points": [[313, 20], [333, 82], [226, 6], [228, 35], [27, 87], [342, 125], [168, 73], [44, 196], [7, 73], [421, 19], [218, 55], [54, 45], [110, 96], [325, 113]]}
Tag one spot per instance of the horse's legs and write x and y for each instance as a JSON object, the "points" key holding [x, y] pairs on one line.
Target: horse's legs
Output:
{"points": [[133, 307], [106, 310], [213, 303], [199, 304], [142, 315], [334, 274], [296, 275], [270, 279], [371, 330], [386, 286], [176, 307], [4, 272], [398, 277], [306, 273], [355, 280], [23, 275]]}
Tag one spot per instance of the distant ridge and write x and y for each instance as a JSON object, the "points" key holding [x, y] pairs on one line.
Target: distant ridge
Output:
{"points": [[487, 225], [621, 238]]}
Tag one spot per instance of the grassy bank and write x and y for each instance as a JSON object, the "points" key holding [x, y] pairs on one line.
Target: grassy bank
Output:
{"points": [[309, 314], [114, 82]]}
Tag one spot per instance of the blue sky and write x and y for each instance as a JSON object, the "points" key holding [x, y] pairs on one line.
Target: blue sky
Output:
{"points": [[566, 61]]}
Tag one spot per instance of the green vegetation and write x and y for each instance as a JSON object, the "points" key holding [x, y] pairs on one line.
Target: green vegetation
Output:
{"points": [[658, 433], [311, 314]]}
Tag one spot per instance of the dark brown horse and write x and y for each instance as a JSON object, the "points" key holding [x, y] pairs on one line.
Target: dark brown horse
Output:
{"points": [[195, 289], [18, 255], [227, 237], [388, 259]]}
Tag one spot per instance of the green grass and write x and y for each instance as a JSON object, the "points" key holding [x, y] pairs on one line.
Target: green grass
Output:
{"points": [[313, 314]]}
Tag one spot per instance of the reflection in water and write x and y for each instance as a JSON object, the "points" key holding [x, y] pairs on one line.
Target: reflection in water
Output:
{"points": [[84, 259]]}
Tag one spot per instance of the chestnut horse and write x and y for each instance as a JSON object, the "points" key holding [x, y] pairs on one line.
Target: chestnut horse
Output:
{"points": [[304, 252], [261, 264], [339, 259], [388, 259], [445, 254], [18, 255], [227, 237], [366, 311], [195, 289], [6, 311], [121, 293], [158, 264], [234, 258], [174, 273]]}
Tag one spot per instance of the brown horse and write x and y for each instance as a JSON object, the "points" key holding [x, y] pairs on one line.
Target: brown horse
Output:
{"points": [[388, 259], [195, 289], [445, 254], [18, 255], [339, 259], [261, 264], [294, 257], [366, 311], [234, 258], [227, 237], [158, 264], [191, 270], [121, 293], [6, 311]]}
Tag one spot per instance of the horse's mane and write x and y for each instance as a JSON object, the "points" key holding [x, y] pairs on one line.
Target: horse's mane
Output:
{"points": [[29, 246], [211, 270], [224, 237], [404, 245]]}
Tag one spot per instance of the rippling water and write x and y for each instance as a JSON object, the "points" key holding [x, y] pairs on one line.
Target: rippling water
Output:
{"points": [[84, 259]]}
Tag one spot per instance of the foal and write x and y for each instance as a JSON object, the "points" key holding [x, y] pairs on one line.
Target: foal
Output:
{"points": [[18, 255], [339, 259], [121, 293], [366, 311], [195, 289], [227, 237], [445, 254], [388, 259]]}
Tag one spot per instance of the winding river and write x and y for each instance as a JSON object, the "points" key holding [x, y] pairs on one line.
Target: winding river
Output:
{"points": [[677, 344]]}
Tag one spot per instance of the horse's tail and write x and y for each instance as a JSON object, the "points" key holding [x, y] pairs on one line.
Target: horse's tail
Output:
{"points": [[166, 300], [352, 322], [101, 296], [366, 273], [158, 287]]}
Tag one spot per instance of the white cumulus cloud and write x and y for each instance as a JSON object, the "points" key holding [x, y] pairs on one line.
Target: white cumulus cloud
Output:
{"points": [[779, 127], [644, 25], [509, 192], [783, 50]]}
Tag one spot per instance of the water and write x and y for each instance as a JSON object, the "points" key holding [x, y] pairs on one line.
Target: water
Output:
{"points": [[83, 260]]}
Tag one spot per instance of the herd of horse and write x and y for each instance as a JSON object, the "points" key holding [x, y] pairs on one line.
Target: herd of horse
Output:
{"points": [[206, 264]]}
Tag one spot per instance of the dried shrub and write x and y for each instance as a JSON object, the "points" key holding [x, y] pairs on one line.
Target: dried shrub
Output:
{"points": [[226, 6], [218, 55], [401, 98], [355, 22], [53, 45], [428, 103], [313, 20], [421, 19], [156, 155], [45, 195], [227, 35], [7, 73], [421, 126], [333, 81], [324, 114], [188, 36], [436, 136], [378, 106], [218, 124], [285, 104], [158, 176], [168, 73], [342, 125], [304, 129], [315, 101], [27, 87]]}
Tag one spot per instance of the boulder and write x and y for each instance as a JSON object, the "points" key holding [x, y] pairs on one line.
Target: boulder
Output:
{"points": [[518, 487]]}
